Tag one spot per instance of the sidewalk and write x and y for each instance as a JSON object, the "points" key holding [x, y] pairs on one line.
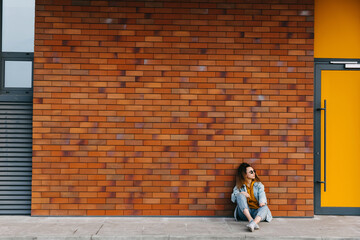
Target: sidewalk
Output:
{"points": [[111, 228]]}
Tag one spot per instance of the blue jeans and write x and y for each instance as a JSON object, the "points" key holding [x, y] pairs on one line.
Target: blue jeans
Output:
{"points": [[242, 204]]}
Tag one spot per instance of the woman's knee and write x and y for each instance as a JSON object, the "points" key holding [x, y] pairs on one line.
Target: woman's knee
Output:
{"points": [[242, 202], [241, 197], [262, 212], [265, 208]]}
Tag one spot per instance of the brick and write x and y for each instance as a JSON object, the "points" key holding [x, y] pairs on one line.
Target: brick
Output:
{"points": [[160, 110]]}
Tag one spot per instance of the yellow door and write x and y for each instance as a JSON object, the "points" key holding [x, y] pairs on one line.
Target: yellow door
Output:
{"points": [[341, 90], [336, 45]]}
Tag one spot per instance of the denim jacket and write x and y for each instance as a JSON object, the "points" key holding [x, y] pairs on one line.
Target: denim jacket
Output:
{"points": [[259, 194]]}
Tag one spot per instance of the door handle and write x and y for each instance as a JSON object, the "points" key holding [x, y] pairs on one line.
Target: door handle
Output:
{"points": [[324, 109]]}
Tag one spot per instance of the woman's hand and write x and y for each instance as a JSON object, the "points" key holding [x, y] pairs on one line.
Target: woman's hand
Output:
{"points": [[262, 204], [245, 194]]}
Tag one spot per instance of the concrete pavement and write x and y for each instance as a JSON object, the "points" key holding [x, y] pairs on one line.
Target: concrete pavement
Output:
{"points": [[176, 228]]}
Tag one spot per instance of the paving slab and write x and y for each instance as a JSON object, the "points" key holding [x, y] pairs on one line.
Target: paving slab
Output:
{"points": [[175, 228]]}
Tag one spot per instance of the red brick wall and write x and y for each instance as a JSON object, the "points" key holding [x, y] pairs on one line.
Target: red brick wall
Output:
{"points": [[148, 107]]}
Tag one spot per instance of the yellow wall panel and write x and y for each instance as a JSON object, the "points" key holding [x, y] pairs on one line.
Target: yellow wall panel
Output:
{"points": [[337, 29]]}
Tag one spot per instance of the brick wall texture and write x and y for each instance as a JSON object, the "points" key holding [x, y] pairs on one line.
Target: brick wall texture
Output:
{"points": [[148, 107]]}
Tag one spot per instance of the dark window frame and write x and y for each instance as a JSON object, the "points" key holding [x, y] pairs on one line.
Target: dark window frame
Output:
{"points": [[14, 94]]}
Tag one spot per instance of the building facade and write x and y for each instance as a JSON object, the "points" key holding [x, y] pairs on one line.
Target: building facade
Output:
{"points": [[148, 107]]}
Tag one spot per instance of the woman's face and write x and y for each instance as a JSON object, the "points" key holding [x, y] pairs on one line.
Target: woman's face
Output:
{"points": [[250, 173]]}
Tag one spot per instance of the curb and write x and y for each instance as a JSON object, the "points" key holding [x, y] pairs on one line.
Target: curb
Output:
{"points": [[171, 237]]}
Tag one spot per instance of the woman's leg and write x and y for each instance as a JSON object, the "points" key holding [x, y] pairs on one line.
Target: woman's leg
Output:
{"points": [[248, 215], [240, 215], [243, 208], [257, 219], [261, 214]]}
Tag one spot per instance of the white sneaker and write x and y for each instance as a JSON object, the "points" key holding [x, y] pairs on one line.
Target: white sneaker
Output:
{"points": [[251, 226]]}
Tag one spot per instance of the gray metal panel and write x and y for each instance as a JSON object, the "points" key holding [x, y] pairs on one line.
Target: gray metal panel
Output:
{"points": [[15, 158], [15, 212], [9, 189]]}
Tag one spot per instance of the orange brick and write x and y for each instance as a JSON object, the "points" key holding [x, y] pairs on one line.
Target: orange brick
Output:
{"points": [[147, 118]]}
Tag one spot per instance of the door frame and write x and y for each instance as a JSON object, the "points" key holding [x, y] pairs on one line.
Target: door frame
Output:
{"points": [[319, 65]]}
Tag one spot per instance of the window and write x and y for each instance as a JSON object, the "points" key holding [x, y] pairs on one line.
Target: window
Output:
{"points": [[15, 78], [17, 46]]}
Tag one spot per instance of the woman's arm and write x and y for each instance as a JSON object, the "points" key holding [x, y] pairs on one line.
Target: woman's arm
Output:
{"points": [[234, 193], [262, 196]]}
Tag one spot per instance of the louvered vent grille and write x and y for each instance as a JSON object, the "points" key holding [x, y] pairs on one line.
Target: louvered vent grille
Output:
{"points": [[15, 158]]}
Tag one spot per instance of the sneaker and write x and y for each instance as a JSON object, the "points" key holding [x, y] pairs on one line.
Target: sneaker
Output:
{"points": [[251, 226], [256, 226]]}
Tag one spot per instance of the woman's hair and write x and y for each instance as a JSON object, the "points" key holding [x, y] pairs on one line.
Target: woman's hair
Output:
{"points": [[241, 175]]}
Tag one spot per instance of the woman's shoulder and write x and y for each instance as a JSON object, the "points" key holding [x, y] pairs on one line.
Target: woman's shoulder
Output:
{"points": [[236, 188], [258, 184]]}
